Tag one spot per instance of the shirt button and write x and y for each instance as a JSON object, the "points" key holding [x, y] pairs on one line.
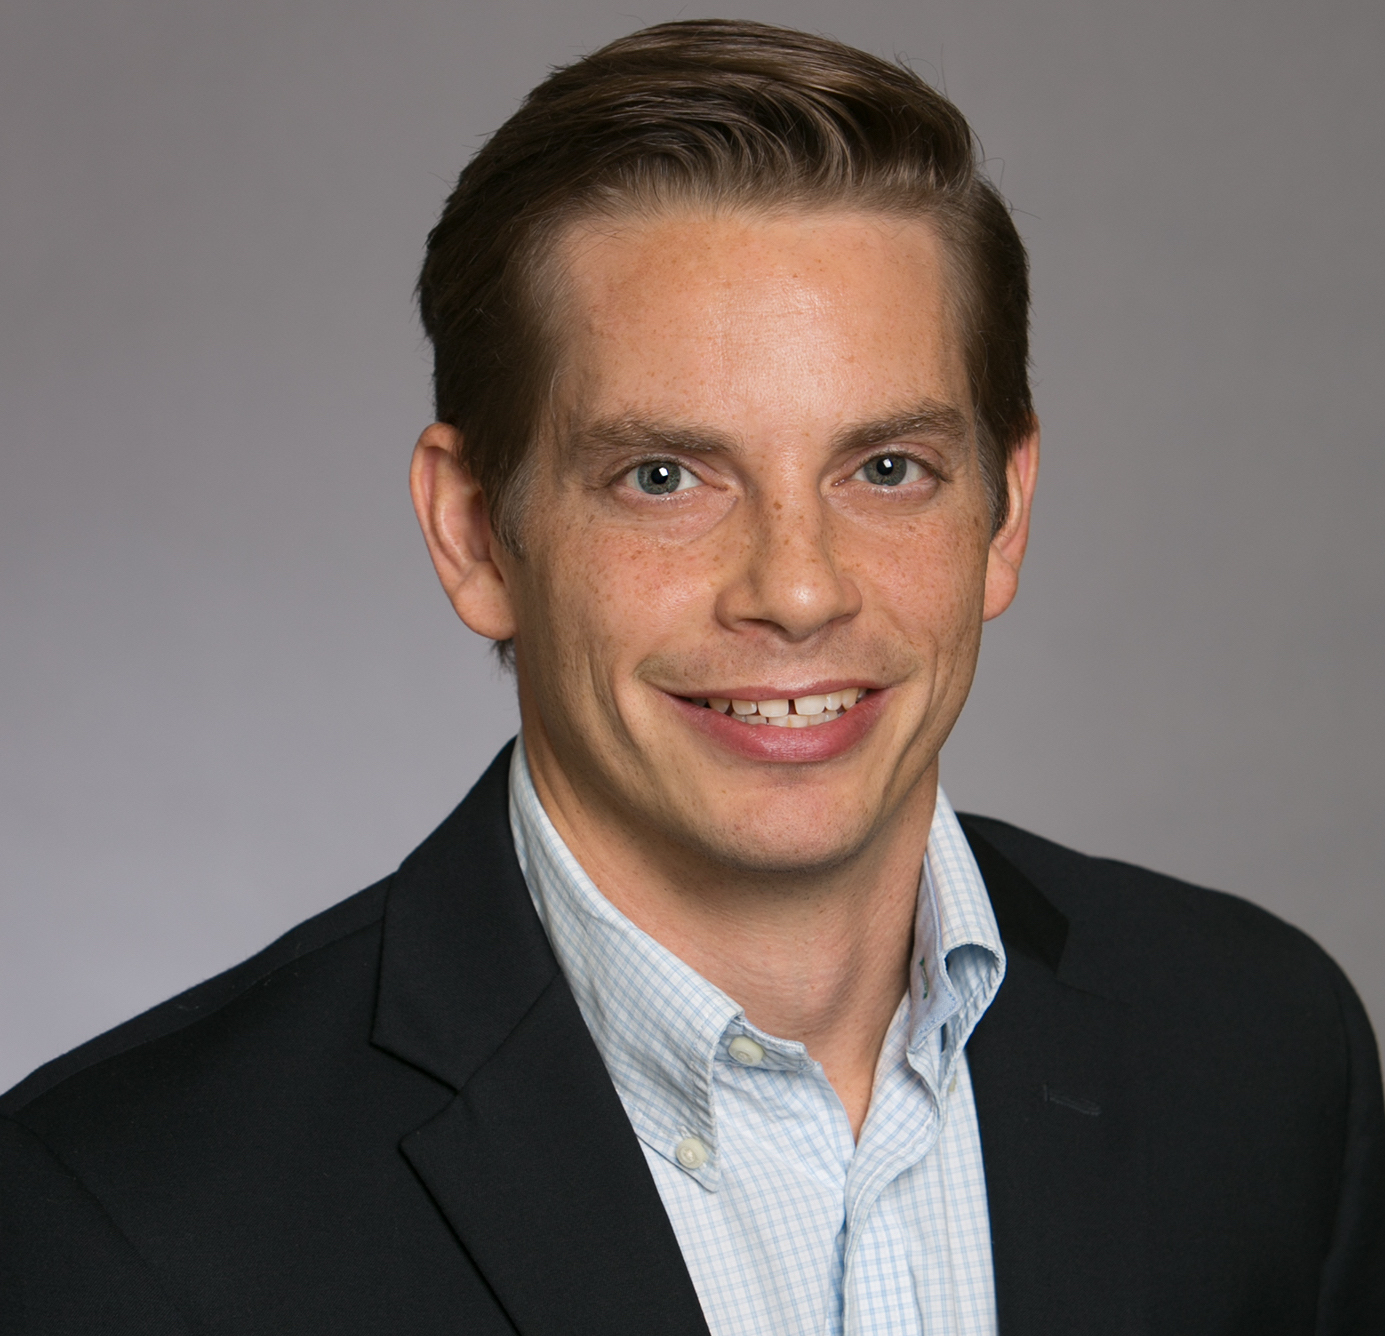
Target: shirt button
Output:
{"points": [[746, 1051], [691, 1153]]}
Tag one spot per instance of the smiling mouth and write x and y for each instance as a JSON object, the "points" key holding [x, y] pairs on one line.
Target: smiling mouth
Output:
{"points": [[797, 712]]}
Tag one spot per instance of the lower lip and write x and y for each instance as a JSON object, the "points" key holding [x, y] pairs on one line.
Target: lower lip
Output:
{"points": [[766, 742]]}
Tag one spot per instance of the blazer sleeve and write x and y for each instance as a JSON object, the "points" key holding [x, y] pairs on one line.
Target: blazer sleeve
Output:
{"points": [[1351, 1300], [65, 1269]]}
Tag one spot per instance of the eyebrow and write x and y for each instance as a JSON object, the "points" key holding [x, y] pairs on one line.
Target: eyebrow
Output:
{"points": [[639, 434], [926, 418]]}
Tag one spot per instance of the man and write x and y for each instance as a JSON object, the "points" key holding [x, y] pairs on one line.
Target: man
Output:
{"points": [[704, 1011]]}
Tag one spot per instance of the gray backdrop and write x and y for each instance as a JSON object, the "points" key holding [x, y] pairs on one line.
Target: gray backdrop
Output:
{"points": [[232, 692]]}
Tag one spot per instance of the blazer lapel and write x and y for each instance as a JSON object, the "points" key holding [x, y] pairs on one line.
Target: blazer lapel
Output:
{"points": [[1054, 1065], [533, 1163]]}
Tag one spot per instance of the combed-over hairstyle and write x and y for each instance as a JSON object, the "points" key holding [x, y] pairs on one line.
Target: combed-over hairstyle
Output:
{"points": [[717, 114]]}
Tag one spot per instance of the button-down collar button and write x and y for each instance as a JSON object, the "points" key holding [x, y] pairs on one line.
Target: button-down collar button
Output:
{"points": [[746, 1051], [691, 1153]]}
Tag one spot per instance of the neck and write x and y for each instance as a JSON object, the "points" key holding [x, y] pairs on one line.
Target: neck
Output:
{"points": [[819, 956]]}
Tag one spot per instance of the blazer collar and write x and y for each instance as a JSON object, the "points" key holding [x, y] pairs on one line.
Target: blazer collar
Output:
{"points": [[464, 956], [1056, 1071], [533, 1163]]}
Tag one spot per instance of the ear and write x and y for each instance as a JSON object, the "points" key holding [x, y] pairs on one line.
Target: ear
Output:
{"points": [[1009, 544], [456, 526]]}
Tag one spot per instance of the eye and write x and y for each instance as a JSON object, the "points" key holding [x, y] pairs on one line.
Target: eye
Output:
{"points": [[889, 470], [660, 477]]}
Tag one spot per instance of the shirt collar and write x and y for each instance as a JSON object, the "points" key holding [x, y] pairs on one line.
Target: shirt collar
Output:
{"points": [[660, 1026], [657, 1023], [959, 961]]}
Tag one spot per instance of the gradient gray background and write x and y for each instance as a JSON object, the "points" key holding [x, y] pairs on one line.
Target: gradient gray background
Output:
{"points": [[232, 691]]}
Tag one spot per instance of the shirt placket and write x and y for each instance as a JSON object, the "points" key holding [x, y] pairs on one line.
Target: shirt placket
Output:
{"points": [[906, 1121]]}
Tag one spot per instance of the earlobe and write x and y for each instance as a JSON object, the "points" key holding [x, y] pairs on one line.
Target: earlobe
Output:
{"points": [[452, 513], [1008, 546]]}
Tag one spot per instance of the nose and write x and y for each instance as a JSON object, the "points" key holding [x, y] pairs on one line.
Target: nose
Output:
{"points": [[784, 575]]}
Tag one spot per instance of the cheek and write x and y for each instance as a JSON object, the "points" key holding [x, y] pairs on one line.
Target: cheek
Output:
{"points": [[931, 583], [615, 596]]}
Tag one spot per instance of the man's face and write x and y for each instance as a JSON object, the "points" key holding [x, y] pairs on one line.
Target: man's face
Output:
{"points": [[762, 486]]}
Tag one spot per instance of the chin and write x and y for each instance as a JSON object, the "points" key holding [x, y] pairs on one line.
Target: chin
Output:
{"points": [[793, 849]]}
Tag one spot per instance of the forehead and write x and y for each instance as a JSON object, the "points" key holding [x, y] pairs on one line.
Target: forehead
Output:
{"points": [[813, 318]]}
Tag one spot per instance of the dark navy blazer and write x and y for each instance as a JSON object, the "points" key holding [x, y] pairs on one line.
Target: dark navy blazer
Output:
{"points": [[393, 1120]]}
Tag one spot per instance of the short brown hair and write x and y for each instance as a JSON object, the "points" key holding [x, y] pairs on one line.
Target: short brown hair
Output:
{"points": [[721, 113]]}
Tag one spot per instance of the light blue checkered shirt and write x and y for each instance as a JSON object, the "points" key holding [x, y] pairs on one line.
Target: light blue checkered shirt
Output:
{"points": [[788, 1227]]}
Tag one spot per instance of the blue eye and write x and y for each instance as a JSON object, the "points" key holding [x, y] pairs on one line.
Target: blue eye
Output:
{"points": [[890, 470], [660, 477]]}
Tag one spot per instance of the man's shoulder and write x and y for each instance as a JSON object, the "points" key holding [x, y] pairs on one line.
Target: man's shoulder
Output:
{"points": [[1081, 884], [335, 949], [1157, 941], [303, 1025], [1165, 1062]]}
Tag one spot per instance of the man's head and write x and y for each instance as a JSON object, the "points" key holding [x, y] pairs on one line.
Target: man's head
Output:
{"points": [[769, 438]]}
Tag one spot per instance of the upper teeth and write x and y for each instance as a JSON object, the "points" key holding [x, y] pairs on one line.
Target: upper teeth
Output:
{"points": [[806, 709]]}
